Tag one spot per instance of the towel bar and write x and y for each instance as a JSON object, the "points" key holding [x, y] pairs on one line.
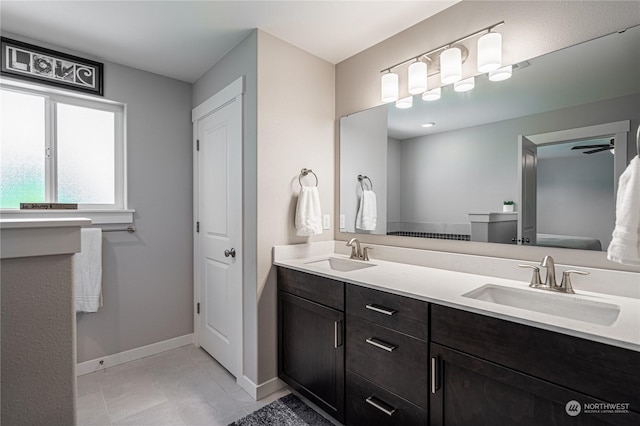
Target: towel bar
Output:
{"points": [[130, 229], [305, 172]]}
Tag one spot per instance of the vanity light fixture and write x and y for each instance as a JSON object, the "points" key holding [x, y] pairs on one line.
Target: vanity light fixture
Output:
{"points": [[464, 85], [417, 77], [489, 52], [389, 87], [432, 95], [501, 74], [405, 103], [451, 58]]}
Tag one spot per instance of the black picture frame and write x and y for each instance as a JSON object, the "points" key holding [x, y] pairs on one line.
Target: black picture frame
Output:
{"points": [[33, 63]]}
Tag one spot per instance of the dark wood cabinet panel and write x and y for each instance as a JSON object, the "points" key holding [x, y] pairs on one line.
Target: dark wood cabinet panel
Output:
{"points": [[605, 372], [390, 359], [371, 405], [404, 314], [318, 289], [473, 392], [311, 351]]}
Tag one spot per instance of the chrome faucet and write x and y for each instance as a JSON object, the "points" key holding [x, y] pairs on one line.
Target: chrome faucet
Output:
{"points": [[550, 282], [358, 252]]}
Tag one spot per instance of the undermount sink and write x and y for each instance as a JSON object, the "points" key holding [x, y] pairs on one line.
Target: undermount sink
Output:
{"points": [[567, 306], [339, 264]]}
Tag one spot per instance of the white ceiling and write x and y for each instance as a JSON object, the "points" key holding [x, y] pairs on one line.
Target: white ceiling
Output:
{"points": [[183, 39]]}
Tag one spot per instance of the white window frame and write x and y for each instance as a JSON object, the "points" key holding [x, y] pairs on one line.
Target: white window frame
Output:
{"points": [[116, 213]]}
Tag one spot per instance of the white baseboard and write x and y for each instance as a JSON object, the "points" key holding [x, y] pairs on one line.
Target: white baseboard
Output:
{"points": [[132, 354], [260, 391]]}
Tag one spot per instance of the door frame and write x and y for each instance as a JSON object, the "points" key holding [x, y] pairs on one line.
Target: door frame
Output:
{"points": [[220, 99]]}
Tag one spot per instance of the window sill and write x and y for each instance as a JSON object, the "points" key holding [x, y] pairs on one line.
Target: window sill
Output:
{"points": [[98, 217]]}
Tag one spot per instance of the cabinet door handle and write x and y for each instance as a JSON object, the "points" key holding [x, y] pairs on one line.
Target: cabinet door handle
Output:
{"points": [[434, 374], [380, 405], [380, 309], [337, 342], [381, 344]]}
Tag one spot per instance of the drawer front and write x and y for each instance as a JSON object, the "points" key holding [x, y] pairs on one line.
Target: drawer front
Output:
{"points": [[393, 360], [404, 314], [308, 286], [368, 405], [605, 372]]}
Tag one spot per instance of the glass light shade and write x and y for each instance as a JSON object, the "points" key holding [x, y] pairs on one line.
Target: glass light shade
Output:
{"points": [[405, 103], [500, 74], [389, 88], [432, 95], [427, 125], [489, 52], [450, 65], [464, 85], [417, 77]]}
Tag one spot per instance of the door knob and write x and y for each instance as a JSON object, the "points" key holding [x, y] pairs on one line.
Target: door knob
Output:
{"points": [[231, 253]]}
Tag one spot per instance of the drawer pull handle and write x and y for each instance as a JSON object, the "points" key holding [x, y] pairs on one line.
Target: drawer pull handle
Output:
{"points": [[380, 344], [382, 406], [380, 309], [434, 375]]}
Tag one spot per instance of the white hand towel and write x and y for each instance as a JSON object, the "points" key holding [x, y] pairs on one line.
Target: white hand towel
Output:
{"points": [[367, 212], [625, 244], [87, 266], [308, 214]]}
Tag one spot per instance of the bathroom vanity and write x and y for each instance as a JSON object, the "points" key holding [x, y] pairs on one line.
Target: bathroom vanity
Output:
{"points": [[422, 350]]}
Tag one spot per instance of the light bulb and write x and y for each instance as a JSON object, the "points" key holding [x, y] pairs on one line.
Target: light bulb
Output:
{"points": [[432, 95], [500, 74], [389, 87], [450, 65], [417, 77], [489, 52]]}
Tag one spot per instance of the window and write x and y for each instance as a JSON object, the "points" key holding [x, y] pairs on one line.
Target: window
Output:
{"points": [[56, 148]]}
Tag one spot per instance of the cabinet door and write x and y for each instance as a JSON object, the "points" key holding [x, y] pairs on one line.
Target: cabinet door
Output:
{"points": [[466, 390], [311, 345]]}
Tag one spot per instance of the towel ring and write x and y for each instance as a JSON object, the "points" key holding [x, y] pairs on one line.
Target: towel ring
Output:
{"points": [[361, 178], [305, 172]]}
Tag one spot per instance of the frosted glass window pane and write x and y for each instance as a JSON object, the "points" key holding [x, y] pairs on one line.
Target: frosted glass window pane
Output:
{"points": [[86, 155], [22, 149]]}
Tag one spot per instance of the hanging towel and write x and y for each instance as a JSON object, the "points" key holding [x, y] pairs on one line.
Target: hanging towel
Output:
{"points": [[367, 212], [87, 268], [625, 242], [308, 215]]}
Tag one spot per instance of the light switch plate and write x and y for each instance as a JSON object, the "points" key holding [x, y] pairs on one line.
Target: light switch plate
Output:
{"points": [[326, 221], [342, 221]]}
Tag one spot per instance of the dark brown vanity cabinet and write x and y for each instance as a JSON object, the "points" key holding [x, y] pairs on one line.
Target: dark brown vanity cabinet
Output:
{"points": [[311, 338], [488, 371], [387, 358]]}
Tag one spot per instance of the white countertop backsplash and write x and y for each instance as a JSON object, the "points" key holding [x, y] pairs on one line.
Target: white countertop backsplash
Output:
{"points": [[443, 278]]}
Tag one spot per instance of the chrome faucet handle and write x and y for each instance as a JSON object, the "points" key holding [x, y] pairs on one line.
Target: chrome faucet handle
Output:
{"points": [[565, 285], [365, 252], [535, 278]]}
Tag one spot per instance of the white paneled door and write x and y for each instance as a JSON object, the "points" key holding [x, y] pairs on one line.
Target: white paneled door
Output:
{"points": [[527, 189], [219, 239]]}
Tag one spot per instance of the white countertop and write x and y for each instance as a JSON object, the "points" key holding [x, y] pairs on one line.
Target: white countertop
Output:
{"points": [[446, 287]]}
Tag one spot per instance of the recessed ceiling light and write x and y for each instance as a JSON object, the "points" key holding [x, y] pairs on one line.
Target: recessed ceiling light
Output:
{"points": [[428, 125]]}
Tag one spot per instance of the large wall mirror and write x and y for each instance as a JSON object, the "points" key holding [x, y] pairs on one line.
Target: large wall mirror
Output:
{"points": [[553, 139]]}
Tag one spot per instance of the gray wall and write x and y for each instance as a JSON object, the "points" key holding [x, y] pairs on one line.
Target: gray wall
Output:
{"points": [[147, 276], [364, 152], [394, 181]]}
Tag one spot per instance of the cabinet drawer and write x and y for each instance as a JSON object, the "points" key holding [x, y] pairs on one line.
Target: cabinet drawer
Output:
{"points": [[605, 372], [368, 404], [318, 289], [393, 360], [400, 313]]}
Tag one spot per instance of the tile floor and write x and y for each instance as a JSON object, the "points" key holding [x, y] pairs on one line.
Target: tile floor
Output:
{"points": [[180, 387]]}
